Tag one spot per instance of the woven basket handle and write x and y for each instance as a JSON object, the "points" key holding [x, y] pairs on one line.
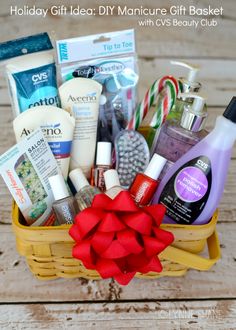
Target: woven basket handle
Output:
{"points": [[192, 260]]}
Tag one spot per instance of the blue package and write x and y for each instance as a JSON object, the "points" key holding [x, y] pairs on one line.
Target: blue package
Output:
{"points": [[31, 72]]}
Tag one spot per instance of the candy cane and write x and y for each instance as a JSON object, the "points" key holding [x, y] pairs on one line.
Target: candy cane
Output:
{"points": [[172, 87]]}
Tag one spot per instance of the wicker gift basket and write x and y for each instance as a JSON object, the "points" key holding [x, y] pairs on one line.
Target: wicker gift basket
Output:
{"points": [[48, 250]]}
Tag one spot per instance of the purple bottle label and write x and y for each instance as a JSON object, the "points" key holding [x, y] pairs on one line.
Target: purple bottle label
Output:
{"points": [[186, 193], [191, 184]]}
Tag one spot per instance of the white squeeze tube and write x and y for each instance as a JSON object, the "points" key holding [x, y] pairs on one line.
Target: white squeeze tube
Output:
{"points": [[80, 97], [57, 126]]}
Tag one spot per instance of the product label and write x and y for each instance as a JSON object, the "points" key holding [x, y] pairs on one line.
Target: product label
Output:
{"points": [[186, 193], [53, 133], [25, 168], [67, 213], [58, 135], [104, 68], [61, 149], [93, 46], [37, 87]]}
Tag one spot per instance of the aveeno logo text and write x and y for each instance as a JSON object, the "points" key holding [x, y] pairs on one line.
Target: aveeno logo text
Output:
{"points": [[48, 130], [89, 98]]}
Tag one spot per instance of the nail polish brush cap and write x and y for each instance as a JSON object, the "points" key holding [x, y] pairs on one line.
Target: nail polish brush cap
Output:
{"points": [[230, 111], [59, 188], [111, 179], [155, 166], [78, 179], [103, 153]]}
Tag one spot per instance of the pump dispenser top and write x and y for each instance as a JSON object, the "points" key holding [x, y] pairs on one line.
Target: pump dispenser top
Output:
{"points": [[189, 83], [194, 115]]}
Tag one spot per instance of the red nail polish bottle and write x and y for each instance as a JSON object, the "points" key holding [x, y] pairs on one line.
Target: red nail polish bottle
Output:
{"points": [[145, 184]]}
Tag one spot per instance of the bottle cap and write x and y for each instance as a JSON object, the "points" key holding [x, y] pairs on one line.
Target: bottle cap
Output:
{"points": [[59, 188], [230, 111], [194, 115], [103, 153], [155, 166], [78, 179], [189, 84], [102, 100], [111, 178]]}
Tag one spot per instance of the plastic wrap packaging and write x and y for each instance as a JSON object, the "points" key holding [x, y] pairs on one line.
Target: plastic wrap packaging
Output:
{"points": [[110, 59], [31, 72]]}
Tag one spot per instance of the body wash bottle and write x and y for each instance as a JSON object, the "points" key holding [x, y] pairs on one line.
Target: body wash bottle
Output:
{"points": [[175, 140], [65, 206], [103, 163], [112, 183], [192, 188], [85, 192]]}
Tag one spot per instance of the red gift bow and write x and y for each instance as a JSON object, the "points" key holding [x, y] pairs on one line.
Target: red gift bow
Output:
{"points": [[117, 238]]}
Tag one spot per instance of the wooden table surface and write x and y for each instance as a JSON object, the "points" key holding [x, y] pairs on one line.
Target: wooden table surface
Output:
{"points": [[199, 300]]}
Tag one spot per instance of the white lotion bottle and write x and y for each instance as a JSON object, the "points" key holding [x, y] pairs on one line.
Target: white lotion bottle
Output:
{"points": [[80, 97], [57, 126]]}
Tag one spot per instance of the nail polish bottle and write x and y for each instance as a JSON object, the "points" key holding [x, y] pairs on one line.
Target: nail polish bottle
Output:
{"points": [[112, 183], [85, 192], [103, 163], [65, 206], [145, 184], [175, 140]]}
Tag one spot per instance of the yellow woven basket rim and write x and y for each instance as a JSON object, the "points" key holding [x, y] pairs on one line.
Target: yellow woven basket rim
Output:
{"points": [[210, 224]]}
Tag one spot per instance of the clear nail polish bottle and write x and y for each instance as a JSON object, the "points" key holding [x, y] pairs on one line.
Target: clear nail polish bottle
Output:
{"points": [[85, 192], [112, 183], [65, 206]]}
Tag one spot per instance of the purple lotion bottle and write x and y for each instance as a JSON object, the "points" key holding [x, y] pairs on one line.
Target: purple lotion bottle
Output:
{"points": [[191, 190]]}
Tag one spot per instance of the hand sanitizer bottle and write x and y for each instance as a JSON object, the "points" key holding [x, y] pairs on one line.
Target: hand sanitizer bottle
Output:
{"points": [[191, 190], [175, 140]]}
